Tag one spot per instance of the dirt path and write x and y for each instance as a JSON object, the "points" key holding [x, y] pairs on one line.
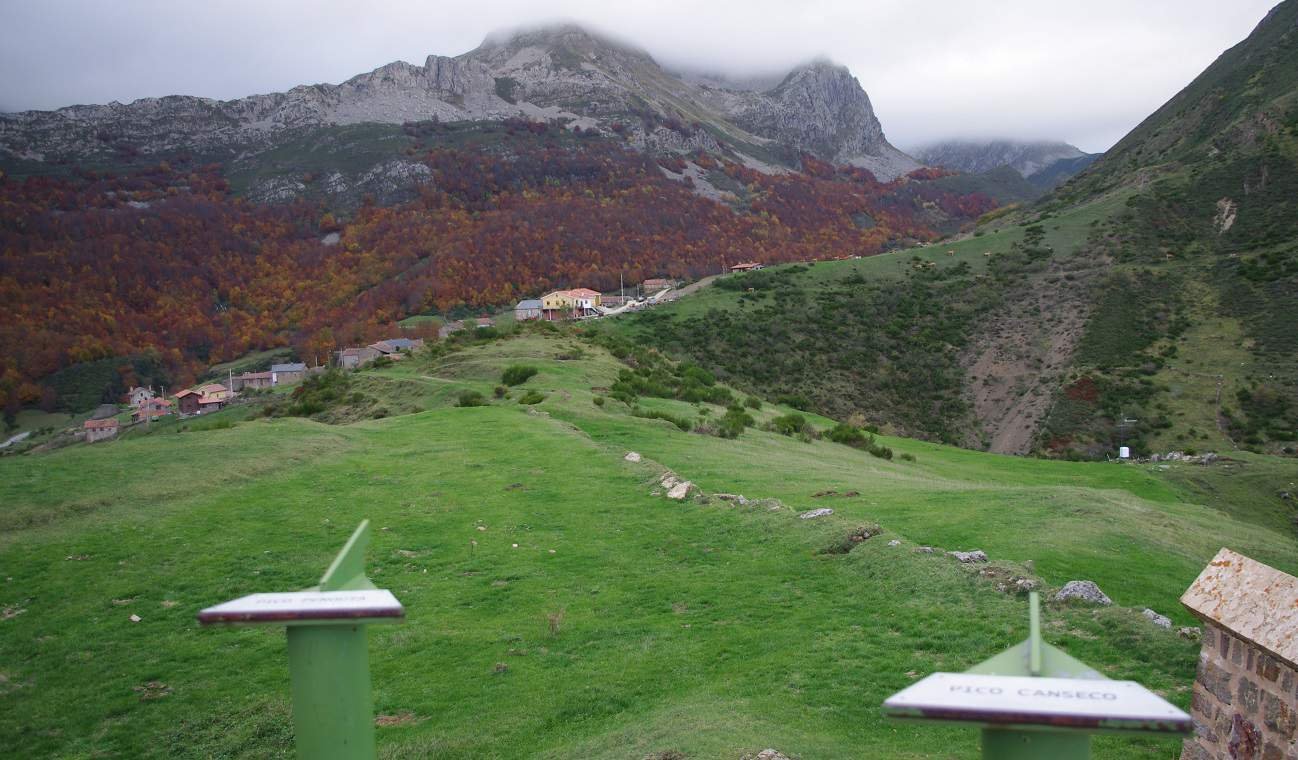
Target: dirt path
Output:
{"points": [[693, 287]]}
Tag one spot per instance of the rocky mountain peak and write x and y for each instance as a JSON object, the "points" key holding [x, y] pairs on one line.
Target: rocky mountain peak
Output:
{"points": [[1027, 157]]}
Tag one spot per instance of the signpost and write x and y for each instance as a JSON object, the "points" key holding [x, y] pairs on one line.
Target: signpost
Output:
{"points": [[1034, 701], [328, 661]]}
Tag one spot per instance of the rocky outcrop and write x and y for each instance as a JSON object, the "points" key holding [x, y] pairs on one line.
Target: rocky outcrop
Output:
{"points": [[1044, 164], [558, 72], [1085, 591], [822, 109]]}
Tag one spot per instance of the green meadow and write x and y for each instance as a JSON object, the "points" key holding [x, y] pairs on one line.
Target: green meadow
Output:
{"points": [[557, 607]]}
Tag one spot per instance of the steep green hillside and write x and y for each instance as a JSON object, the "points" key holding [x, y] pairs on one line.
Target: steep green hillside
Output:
{"points": [[556, 606], [1148, 303]]}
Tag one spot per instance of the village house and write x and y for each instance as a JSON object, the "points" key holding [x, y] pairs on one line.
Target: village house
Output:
{"points": [[198, 401], [215, 391], [655, 284], [287, 373], [151, 410], [570, 304], [351, 358], [138, 395], [251, 380], [556, 305], [484, 322], [527, 309], [445, 330], [392, 347], [747, 266], [99, 430]]}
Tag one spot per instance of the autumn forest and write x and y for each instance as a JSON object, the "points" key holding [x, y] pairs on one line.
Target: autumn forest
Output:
{"points": [[168, 261]]}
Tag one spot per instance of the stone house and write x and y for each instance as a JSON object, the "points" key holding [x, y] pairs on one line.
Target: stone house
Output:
{"points": [[138, 395], [527, 309], [747, 266], [196, 401], [351, 358], [293, 372], [152, 410], [252, 380], [1245, 698], [445, 330], [100, 430]]}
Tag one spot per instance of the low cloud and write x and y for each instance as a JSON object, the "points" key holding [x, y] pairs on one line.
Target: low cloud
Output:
{"points": [[944, 68]]}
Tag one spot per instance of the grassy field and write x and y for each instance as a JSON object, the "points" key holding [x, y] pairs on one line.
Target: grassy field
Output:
{"points": [[556, 608]]}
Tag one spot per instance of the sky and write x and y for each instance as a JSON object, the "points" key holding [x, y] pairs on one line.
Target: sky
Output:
{"points": [[1082, 72]]}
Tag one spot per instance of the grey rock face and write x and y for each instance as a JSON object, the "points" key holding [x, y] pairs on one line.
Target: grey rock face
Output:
{"points": [[1086, 591], [558, 72], [975, 157], [822, 109], [1159, 620]]}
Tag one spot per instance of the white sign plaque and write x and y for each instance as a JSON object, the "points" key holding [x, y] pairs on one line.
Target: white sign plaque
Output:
{"points": [[306, 606], [1024, 700]]}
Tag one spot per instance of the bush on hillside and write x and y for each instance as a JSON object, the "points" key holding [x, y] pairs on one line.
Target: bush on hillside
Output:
{"points": [[532, 397], [733, 422], [470, 398], [517, 374], [653, 414]]}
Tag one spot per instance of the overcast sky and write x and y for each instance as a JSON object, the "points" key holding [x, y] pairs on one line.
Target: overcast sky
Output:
{"points": [[1084, 72]]}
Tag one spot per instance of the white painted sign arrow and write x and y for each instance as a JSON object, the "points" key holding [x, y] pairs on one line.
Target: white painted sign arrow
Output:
{"points": [[1024, 700], [306, 607]]}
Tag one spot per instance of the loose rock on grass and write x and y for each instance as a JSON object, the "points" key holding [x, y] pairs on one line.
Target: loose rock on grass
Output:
{"points": [[1161, 621], [822, 512], [977, 555], [1086, 591]]}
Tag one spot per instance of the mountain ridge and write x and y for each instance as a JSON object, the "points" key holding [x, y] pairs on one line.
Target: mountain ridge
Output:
{"points": [[562, 72], [1044, 163]]}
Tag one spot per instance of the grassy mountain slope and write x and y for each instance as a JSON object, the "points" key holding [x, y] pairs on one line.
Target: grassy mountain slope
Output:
{"points": [[654, 626], [1162, 321]]}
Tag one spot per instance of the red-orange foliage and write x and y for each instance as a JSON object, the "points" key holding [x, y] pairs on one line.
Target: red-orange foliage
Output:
{"points": [[97, 266]]}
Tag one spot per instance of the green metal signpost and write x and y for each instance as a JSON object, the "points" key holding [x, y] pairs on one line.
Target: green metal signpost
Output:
{"points": [[328, 658], [1034, 701]]}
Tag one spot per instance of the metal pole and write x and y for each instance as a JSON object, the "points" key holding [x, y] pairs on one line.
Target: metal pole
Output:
{"points": [[1002, 744], [329, 674]]}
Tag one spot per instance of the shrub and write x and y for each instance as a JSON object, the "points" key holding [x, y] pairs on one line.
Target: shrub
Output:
{"points": [[599, 400], [907, 457], [501, 391], [651, 414], [532, 397], [733, 422], [795, 400], [471, 398], [849, 435], [517, 374], [790, 424], [753, 402]]}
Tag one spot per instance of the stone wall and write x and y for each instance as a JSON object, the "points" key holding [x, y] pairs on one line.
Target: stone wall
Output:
{"points": [[1245, 699]]}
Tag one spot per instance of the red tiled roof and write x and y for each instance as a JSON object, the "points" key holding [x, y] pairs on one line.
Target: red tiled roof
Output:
{"points": [[585, 292], [111, 422]]}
